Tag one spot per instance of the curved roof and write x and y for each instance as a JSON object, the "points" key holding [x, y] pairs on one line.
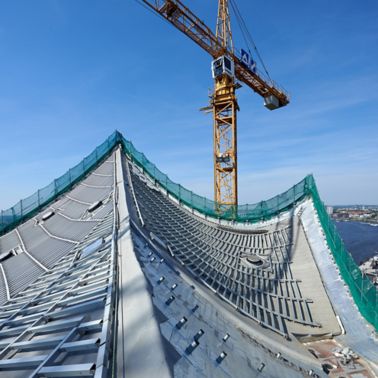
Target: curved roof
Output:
{"points": [[115, 269]]}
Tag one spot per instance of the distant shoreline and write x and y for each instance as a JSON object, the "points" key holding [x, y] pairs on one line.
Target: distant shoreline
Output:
{"points": [[375, 224]]}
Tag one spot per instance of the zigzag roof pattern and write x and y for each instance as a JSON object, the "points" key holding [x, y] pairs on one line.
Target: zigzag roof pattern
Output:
{"points": [[114, 270]]}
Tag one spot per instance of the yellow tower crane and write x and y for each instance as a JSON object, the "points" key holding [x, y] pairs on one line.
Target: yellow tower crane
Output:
{"points": [[228, 70]]}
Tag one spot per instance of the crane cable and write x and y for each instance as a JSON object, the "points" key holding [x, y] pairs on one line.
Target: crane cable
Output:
{"points": [[247, 35]]}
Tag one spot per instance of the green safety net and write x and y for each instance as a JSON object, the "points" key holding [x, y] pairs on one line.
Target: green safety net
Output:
{"points": [[29, 206], [363, 291], [242, 213]]}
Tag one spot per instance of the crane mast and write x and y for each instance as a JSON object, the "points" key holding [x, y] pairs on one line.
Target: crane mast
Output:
{"points": [[223, 29], [225, 106], [228, 69]]}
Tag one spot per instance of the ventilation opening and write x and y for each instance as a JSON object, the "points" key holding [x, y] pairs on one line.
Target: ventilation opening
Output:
{"points": [[94, 206], [5, 256], [327, 368], [47, 215], [221, 357], [243, 230], [255, 260], [13, 252], [312, 351]]}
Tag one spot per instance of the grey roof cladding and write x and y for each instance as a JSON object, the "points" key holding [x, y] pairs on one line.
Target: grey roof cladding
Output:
{"points": [[96, 292]]}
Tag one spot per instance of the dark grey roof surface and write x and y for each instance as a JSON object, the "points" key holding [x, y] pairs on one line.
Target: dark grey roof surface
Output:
{"points": [[143, 286]]}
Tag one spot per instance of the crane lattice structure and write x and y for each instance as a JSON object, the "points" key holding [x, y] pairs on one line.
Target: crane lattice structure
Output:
{"points": [[228, 69]]}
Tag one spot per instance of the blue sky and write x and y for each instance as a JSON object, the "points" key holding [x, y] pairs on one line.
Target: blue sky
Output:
{"points": [[73, 71]]}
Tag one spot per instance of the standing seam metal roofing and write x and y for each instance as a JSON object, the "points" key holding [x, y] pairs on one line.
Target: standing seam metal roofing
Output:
{"points": [[214, 253], [362, 289], [55, 320]]}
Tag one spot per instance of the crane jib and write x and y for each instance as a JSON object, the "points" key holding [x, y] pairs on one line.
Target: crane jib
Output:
{"points": [[188, 23]]}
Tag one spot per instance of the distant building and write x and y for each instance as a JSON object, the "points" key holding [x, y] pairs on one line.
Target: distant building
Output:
{"points": [[329, 210]]}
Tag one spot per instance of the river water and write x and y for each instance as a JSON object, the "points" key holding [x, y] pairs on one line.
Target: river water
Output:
{"points": [[361, 239]]}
